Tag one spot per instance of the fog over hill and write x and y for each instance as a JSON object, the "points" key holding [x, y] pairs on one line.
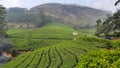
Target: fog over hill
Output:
{"points": [[77, 16]]}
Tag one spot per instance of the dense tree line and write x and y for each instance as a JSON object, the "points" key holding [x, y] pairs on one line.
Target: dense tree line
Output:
{"points": [[23, 15], [4, 44], [2, 22], [110, 26]]}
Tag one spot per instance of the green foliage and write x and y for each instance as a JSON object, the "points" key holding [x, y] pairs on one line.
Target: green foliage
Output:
{"points": [[101, 59], [16, 30], [50, 34], [19, 15], [2, 22], [22, 15], [42, 19], [116, 43], [63, 55], [110, 26], [52, 46], [87, 31], [96, 39], [98, 26]]}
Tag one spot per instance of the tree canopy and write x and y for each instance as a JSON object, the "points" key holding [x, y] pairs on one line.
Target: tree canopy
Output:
{"points": [[110, 26], [2, 22], [116, 3]]}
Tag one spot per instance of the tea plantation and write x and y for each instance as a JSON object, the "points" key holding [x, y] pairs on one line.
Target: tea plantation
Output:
{"points": [[52, 46]]}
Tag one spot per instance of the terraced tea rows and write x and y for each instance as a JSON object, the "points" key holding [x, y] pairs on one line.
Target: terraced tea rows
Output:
{"points": [[50, 31], [50, 34], [64, 55], [52, 46]]}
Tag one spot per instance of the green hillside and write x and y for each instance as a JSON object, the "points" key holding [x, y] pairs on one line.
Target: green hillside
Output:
{"points": [[63, 55], [51, 33], [57, 35], [53, 47]]}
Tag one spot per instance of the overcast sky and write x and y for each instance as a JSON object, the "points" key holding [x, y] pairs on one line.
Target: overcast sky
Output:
{"points": [[100, 4]]}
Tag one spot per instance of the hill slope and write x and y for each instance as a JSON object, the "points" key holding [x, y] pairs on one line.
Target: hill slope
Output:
{"points": [[63, 55], [71, 14], [52, 33], [57, 44]]}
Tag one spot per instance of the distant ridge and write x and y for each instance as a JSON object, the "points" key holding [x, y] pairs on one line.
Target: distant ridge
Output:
{"points": [[72, 14]]}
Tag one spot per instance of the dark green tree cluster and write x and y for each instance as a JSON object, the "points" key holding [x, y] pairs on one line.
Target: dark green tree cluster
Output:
{"points": [[111, 26], [116, 3], [22, 15], [4, 43], [3, 26], [42, 19], [19, 15]]}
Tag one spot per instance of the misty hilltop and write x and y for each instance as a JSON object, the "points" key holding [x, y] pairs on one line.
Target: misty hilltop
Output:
{"points": [[74, 15]]}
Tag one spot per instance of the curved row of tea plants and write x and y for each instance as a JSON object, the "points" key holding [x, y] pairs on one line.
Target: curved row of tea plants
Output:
{"points": [[50, 34], [64, 55]]}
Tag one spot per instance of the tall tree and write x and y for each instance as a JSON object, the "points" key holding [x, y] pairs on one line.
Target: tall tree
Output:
{"points": [[116, 3], [2, 22], [42, 18], [98, 27], [111, 25]]}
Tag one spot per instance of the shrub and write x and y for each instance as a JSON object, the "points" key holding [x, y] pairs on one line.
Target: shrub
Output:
{"points": [[101, 59]]}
